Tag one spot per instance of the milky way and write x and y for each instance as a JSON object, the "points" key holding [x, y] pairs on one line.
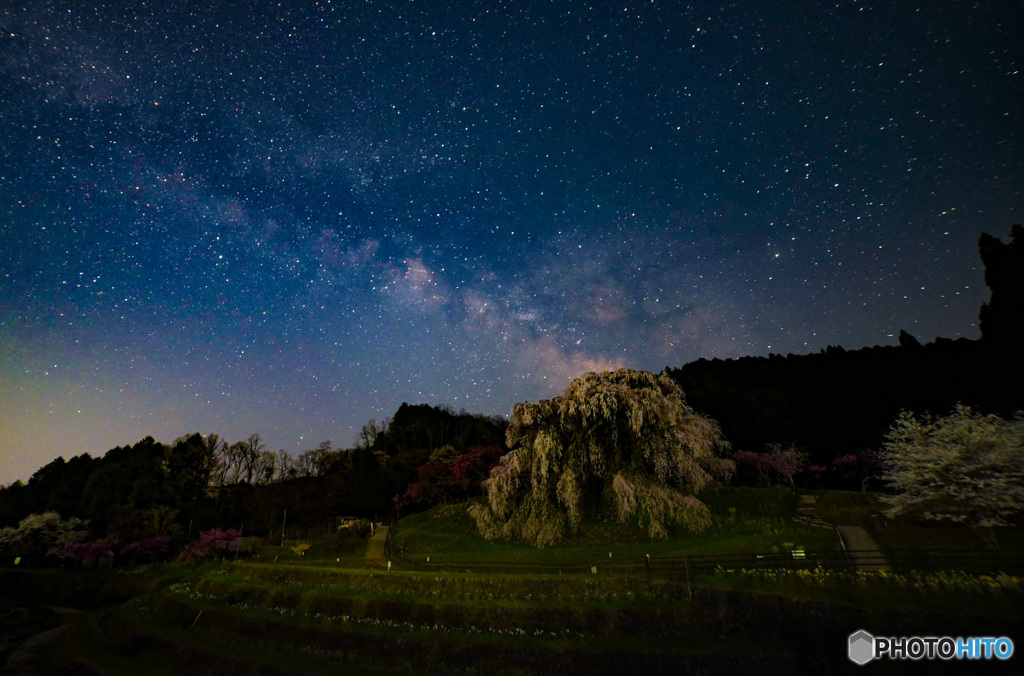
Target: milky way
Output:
{"points": [[288, 218]]}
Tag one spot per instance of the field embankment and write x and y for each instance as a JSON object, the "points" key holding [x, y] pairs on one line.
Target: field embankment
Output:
{"points": [[546, 612]]}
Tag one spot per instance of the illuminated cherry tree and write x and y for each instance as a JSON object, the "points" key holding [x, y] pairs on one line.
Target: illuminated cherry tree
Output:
{"points": [[620, 442], [966, 467]]}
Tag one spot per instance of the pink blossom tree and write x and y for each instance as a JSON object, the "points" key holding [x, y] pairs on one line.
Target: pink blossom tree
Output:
{"points": [[211, 543]]}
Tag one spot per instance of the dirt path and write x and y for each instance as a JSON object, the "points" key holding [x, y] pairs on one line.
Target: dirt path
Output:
{"points": [[375, 547], [858, 540], [855, 538]]}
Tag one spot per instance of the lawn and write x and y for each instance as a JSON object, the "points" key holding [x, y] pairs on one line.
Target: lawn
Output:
{"points": [[906, 532], [745, 521]]}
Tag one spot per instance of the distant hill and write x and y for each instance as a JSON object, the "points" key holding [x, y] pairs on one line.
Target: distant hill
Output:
{"points": [[151, 488], [839, 401]]}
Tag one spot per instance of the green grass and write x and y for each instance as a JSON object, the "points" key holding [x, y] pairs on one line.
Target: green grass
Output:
{"points": [[744, 521], [346, 548], [328, 612], [776, 502], [308, 620], [322, 587], [851, 508], [260, 618], [983, 595], [907, 532]]}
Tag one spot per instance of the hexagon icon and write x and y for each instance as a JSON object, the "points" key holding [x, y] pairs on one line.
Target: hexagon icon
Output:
{"points": [[862, 647]]}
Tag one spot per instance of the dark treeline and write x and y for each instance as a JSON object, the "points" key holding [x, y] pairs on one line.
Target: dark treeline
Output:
{"points": [[842, 401], [196, 483], [825, 405], [421, 426]]}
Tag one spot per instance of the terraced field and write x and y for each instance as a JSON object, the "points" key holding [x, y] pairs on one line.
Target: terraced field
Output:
{"points": [[328, 612], [265, 619]]}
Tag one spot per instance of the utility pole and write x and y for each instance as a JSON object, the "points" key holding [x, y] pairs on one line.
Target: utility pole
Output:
{"points": [[284, 522]]}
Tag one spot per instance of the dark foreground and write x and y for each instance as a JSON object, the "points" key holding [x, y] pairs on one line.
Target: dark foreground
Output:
{"points": [[253, 619]]}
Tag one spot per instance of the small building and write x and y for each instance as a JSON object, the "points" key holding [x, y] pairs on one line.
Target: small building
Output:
{"points": [[345, 522]]}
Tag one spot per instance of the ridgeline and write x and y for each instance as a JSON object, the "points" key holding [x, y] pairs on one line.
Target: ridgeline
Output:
{"points": [[841, 401]]}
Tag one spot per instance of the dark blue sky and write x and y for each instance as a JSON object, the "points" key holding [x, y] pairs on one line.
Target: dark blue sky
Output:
{"points": [[288, 218]]}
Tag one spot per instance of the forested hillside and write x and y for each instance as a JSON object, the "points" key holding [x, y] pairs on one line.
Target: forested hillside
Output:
{"points": [[841, 401], [149, 489]]}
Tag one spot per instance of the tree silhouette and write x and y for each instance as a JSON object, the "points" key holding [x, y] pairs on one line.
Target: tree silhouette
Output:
{"points": [[1002, 318]]}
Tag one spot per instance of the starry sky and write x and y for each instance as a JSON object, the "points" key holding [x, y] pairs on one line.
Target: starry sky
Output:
{"points": [[287, 218]]}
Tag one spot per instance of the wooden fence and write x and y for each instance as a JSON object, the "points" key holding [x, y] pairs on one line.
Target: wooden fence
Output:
{"points": [[978, 562]]}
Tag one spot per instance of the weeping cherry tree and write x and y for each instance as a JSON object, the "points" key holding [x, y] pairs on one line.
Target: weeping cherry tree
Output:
{"points": [[621, 442]]}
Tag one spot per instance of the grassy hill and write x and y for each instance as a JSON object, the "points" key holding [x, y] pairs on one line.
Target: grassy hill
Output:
{"points": [[479, 607], [745, 520]]}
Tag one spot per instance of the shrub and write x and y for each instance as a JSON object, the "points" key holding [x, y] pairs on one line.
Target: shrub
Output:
{"points": [[211, 543]]}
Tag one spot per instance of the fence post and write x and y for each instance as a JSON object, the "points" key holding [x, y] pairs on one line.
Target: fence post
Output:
{"points": [[842, 542], [689, 591]]}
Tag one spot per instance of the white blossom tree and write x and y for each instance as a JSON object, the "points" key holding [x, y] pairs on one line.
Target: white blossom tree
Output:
{"points": [[624, 442], [965, 467], [39, 534]]}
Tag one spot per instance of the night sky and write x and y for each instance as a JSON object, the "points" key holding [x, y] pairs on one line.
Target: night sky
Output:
{"points": [[287, 218]]}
